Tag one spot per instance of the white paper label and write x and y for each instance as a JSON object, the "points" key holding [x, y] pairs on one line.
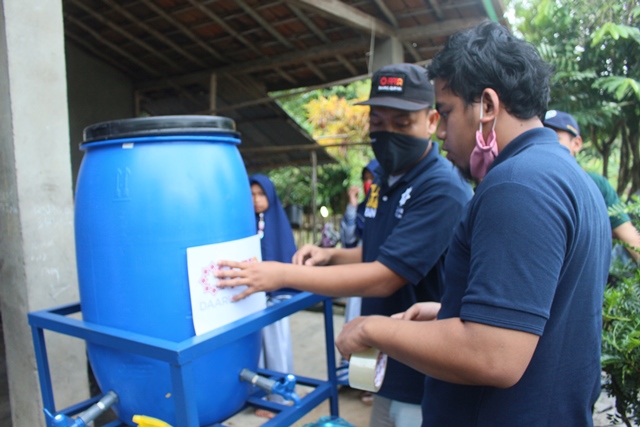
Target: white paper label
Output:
{"points": [[211, 306]]}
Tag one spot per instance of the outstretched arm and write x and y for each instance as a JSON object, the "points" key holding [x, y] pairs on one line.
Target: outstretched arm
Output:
{"points": [[372, 279], [628, 234], [450, 350], [315, 255]]}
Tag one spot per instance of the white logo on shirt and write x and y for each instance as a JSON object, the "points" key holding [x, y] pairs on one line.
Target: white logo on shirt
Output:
{"points": [[403, 199], [405, 196]]}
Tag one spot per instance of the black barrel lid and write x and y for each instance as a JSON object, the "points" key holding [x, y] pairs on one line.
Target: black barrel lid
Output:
{"points": [[158, 125]]}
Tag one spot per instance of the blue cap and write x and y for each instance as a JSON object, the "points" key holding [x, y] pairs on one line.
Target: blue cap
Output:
{"points": [[559, 120]]}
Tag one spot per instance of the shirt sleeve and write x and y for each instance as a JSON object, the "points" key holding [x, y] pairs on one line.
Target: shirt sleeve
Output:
{"points": [[504, 290], [422, 235]]}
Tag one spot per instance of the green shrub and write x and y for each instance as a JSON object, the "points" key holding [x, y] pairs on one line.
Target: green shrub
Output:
{"points": [[621, 347], [621, 337]]}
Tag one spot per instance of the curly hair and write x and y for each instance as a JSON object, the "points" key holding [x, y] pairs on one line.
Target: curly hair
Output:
{"points": [[488, 56]]}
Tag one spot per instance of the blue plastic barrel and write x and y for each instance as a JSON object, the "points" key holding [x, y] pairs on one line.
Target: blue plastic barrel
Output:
{"points": [[147, 190]]}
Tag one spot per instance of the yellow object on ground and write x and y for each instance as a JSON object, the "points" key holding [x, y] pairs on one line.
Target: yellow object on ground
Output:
{"points": [[144, 421]]}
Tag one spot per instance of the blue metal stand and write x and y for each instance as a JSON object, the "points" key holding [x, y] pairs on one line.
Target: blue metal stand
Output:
{"points": [[180, 355]]}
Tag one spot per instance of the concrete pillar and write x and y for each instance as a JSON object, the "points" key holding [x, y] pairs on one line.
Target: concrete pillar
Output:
{"points": [[387, 51], [37, 253]]}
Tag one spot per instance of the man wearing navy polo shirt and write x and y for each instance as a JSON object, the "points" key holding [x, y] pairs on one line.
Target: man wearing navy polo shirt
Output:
{"points": [[411, 210], [516, 339]]}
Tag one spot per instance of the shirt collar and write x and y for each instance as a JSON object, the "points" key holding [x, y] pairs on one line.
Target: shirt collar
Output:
{"points": [[524, 141]]}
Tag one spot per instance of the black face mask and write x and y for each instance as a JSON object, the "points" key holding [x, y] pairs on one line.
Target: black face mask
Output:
{"points": [[396, 152]]}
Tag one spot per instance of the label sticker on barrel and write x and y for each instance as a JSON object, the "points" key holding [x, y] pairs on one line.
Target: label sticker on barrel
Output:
{"points": [[211, 305]]}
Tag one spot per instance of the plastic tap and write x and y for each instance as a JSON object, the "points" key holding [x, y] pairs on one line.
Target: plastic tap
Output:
{"points": [[284, 387], [85, 418]]}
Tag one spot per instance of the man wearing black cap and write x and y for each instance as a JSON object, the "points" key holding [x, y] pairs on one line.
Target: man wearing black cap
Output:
{"points": [[569, 135], [411, 210]]}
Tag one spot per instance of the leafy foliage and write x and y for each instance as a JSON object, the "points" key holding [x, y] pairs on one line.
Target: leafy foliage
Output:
{"points": [[621, 347], [595, 48], [621, 333], [331, 117]]}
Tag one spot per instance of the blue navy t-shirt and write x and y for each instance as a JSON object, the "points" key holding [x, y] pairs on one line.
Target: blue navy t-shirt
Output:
{"points": [[407, 228], [531, 253]]}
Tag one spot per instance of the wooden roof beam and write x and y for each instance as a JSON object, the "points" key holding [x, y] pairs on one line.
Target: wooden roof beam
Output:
{"points": [[260, 20], [151, 5], [100, 17], [436, 9], [316, 70], [344, 61], [439, 29], [215, 18], [412, 50], [336, 10], [152, 71], [108, 59], [321, 35], [387, 13], [317, 53], [122, 11], [285, 76]]}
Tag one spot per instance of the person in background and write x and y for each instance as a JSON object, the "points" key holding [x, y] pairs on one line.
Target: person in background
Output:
{"points": [[516, 339], [352, 223], [410, 214], [569, 135], [276, 244], [351, 228]]}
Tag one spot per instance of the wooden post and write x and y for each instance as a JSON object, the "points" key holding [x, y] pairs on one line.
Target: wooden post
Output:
{"points": [[213, 92]]}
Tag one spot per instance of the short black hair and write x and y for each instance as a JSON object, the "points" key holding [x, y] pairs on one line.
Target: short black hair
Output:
{"points": [[488, 56]]}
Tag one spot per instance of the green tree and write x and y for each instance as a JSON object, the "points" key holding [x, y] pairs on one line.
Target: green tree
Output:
{"points": [[595, 48], [330, 116]]}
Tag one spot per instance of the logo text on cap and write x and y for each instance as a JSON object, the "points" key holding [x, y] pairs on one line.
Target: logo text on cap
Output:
{"points": [[390, 84]]}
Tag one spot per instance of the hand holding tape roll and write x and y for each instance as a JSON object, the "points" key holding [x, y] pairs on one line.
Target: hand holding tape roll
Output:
{"points": [[367, 369]]}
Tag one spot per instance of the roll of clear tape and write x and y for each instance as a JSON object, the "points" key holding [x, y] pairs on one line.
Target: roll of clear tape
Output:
{"points": [[367, 369]]}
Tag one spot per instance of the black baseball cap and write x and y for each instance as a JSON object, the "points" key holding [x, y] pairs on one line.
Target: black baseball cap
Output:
{"points": [[560, 120], [401, 86]]}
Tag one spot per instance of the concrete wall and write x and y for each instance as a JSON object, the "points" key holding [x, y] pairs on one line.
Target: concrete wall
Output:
{"points": [[37, 251], [39, 160], [97, 92]]}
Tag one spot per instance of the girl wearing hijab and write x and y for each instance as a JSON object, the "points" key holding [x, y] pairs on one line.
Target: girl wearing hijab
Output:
{"points": [[277, 244]]}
